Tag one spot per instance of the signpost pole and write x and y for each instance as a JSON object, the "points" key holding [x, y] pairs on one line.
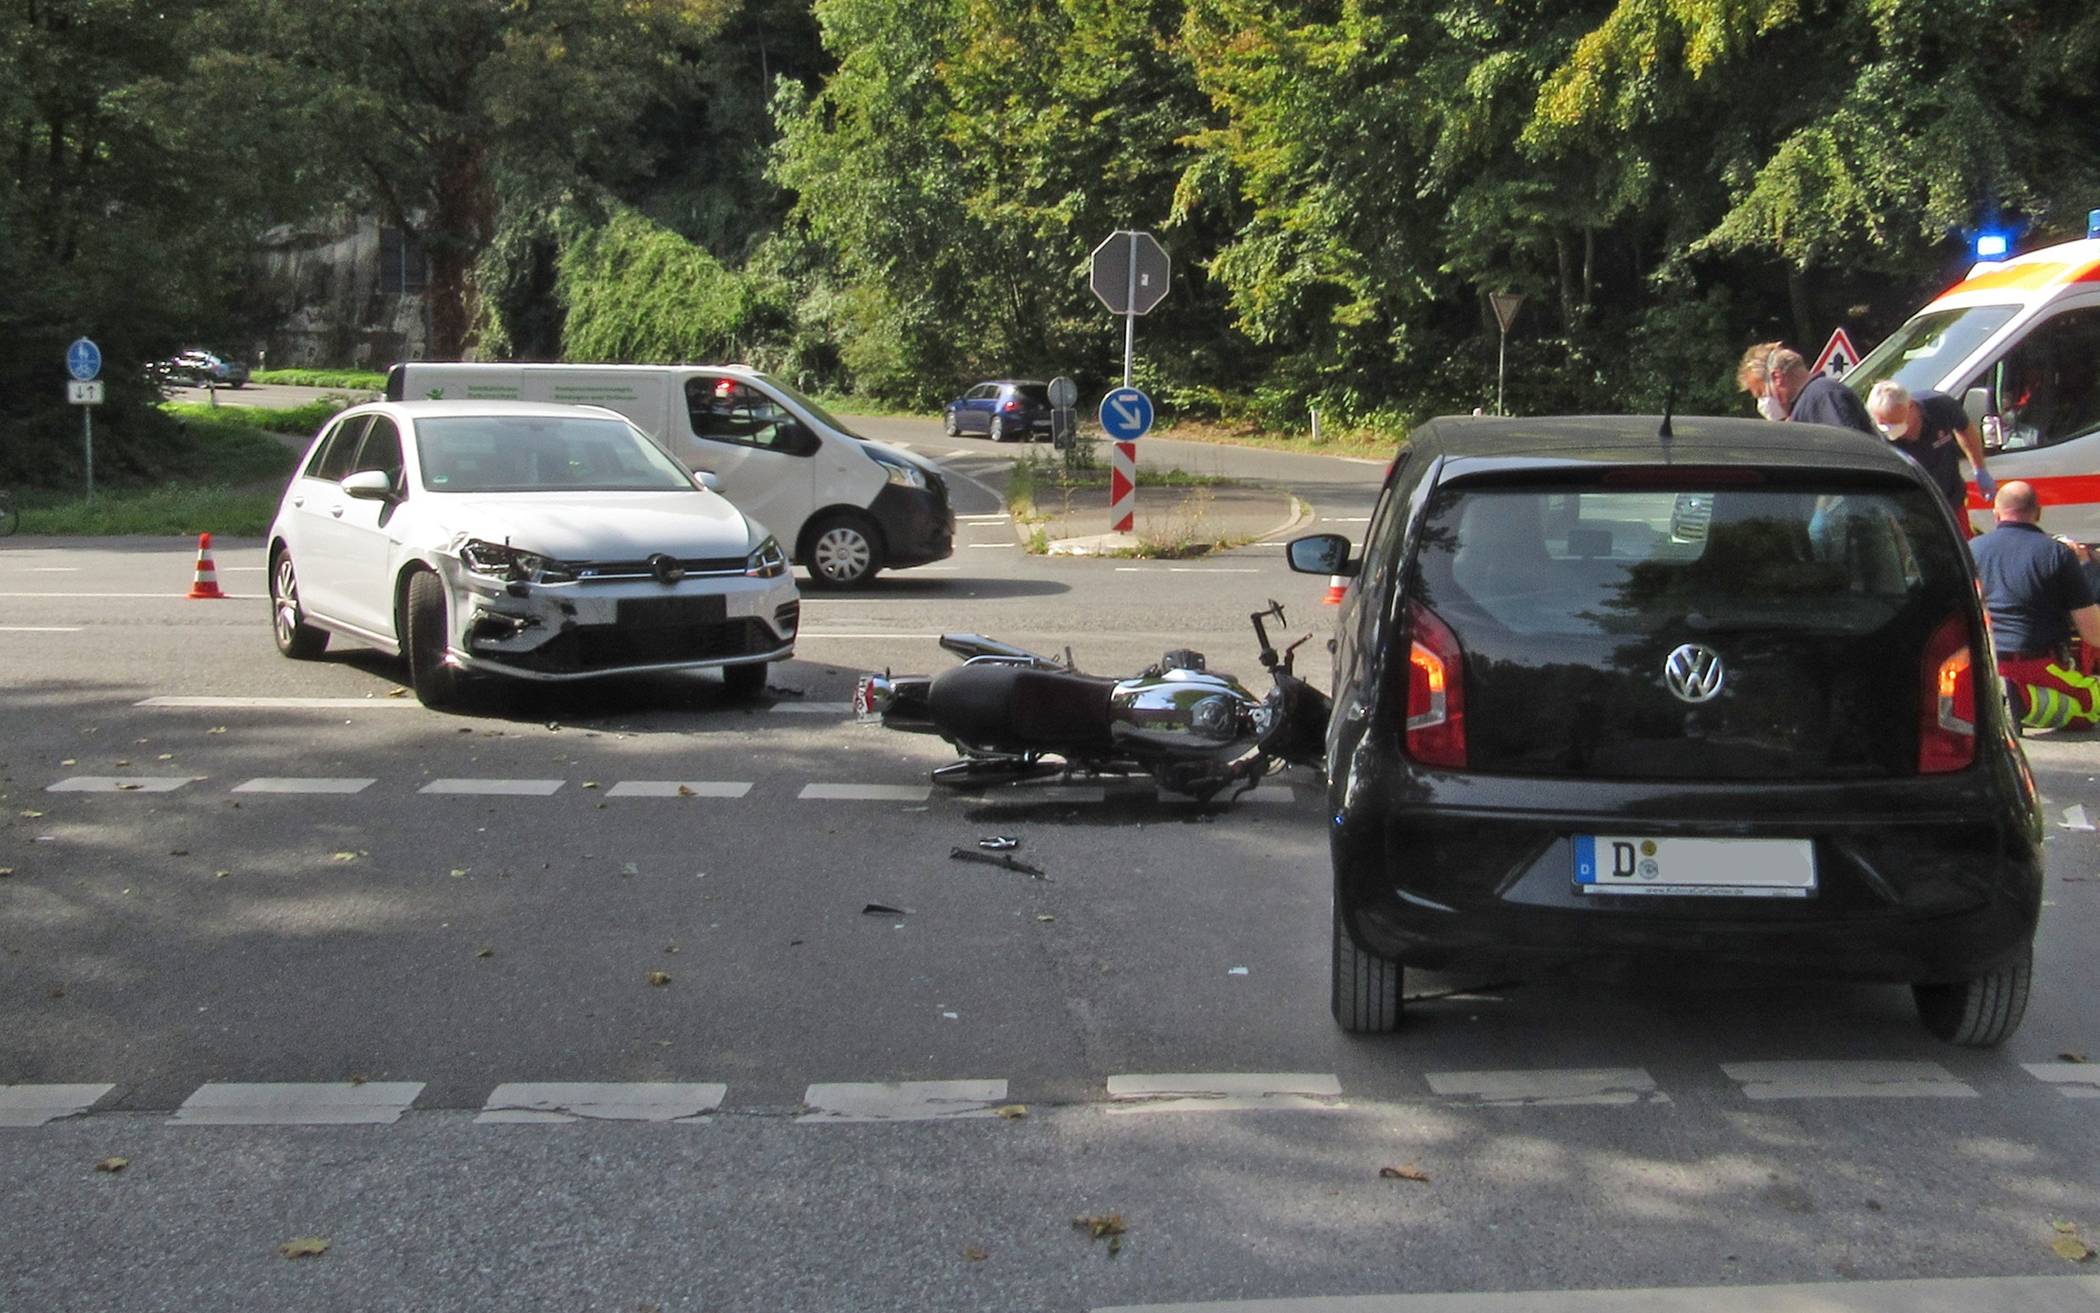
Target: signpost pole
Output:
{"points": [[87, 442], [1130, 311]]}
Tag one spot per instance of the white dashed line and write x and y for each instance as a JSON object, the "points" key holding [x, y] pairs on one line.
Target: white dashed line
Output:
{"points": [[2030, 1294], [39, 629], [34, 1105], [267, 784], [903, 1101], [1225, 1091], [994, 547], [982, 519], [866, 792], [633, 1102], [1548, 1089], [1846, 1080], [333, 1104], [678, 789], [495, 788], [135, 597], [122, 783], [2073, 1080], [278, 704]]}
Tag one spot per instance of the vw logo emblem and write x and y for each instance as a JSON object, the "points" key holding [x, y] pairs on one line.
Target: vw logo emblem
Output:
{"points": [[667, 569], [1694, 673]]}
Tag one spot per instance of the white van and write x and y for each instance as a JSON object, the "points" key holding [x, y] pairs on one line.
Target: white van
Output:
{"points": [[2018, 338], [847, 506]]}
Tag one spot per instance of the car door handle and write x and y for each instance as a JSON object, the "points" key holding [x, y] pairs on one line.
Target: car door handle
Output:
{"points": [[298, 501], [336, 511]]}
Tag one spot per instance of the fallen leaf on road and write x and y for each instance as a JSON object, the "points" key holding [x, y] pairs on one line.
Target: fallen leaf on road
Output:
{"points": [[69, 762], [29, 815], [1013, 1112], [113, 1164], [167, 756], [343, 857], [216, 729], [974, 1255], [123, 763], [1103, 1225], [307, 1246], [2065, 1228], [1046, 919], [687, 791], [1407, 1173], [127, 788], [590, 784], [178, 852], [220, 875], [659, 977], [486, 952], [397, 692], [881, 909], [2072, 1249], [58, 991], [2072, 1057], [458, 871], [6, 871], [357, 1079]]}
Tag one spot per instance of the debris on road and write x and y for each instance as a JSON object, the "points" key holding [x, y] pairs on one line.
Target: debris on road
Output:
{"points": [[1013, 1112], [659, 978], [113, 1164], [1408, 1173], [2069, 1245], [1106, 1226], [882, 909], [999, 842], [308, 1246], [1006, 860]]}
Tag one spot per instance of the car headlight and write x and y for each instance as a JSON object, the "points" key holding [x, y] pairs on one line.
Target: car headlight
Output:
{"points": [[502, 561], [901, 474], [766, 561]]}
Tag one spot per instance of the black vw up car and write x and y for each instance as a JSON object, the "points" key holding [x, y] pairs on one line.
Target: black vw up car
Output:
{"points": [[1717, 695]]}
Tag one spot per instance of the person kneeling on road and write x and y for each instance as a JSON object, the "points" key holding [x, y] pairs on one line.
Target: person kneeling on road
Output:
{"points": [[2035, 589]]}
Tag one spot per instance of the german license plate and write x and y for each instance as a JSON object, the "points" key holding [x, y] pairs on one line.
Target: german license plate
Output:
{"points": [[1710, 868], [671, 612]]}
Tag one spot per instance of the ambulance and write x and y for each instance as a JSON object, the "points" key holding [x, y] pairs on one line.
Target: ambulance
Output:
{"points": [[2018, 339]]}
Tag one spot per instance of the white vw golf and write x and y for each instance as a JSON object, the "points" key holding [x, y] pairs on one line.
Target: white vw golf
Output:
{"points": [[537, 541]]}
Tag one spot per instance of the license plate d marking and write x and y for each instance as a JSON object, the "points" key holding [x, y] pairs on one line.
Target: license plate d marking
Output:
{"points": [[1708, 868]]}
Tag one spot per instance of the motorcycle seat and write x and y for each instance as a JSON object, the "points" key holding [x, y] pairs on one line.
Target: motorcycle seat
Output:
{"points": [[1018, 708]]}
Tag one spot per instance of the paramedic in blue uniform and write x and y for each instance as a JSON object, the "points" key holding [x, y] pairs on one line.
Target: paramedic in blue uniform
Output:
{"points": [[2037, 596]]}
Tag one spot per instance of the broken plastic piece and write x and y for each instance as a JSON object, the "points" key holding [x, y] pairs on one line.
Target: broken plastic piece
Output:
{"points": [[881, 909], [1006, 860], [999, 842]]}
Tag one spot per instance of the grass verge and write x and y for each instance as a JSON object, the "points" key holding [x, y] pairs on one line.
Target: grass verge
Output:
{"points": [[1039, 479], [237, 472], [304, 420], [356, 380]]}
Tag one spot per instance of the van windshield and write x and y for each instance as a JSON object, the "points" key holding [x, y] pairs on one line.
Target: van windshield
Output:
{"points": [[1924, 351], [542, 453], [815, 411]]}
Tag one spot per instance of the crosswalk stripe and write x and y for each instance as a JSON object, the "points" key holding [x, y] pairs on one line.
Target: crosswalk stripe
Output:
{"points": [[1548, 1089], [646, 1101], [34, 1105], [866, 792], [2073, 1080], [1224, 1091], [276, 704], [1846, 1080], [903, 1101], [121, 783], [494, 788], [270, 784], [1941, 1295], [678, 789], [284, 1104]]}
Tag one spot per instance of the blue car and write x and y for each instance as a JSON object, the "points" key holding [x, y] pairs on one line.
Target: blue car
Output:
{"points": [[1007, 408]]}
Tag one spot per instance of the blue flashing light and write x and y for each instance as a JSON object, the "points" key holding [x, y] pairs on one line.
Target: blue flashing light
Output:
{"points": [[2092, 223], [1991, 246]]}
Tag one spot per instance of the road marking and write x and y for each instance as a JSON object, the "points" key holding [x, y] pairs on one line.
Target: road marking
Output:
{"points": [[1846, 1080], [494, 788], [866, 792], [678, 789], [811, 708], [176, 597], [1225, 1091], [1573, 1087], [2074, 818], [1946, 1295], [1208, 569], [2073, 1080], [278, 704], [269, 784], [982, 519], [1345, 519], [1026, 791], [634, 1102], [375, 1103], [39, 629], [34, 1105], [122, 783], [53, 569], [903, 1101]]}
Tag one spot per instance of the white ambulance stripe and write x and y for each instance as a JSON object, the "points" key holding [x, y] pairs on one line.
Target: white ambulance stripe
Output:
{"points": [[33, 1105], [670, 789], [903, 1101], [1574, 1087], [494, 788], [2073, 1080], [866, 792], [1224, 1091], [279, 704], [812, 708], [634, 1102], [1846, 1080], [1944, 1295], [317, 784], [334, 1104], [122, 783]]}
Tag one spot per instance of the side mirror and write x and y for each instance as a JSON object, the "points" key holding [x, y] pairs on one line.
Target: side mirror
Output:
{"points": [[707, 479], [1320, 553], [1976, 403], [370, 485], [796, 439]]}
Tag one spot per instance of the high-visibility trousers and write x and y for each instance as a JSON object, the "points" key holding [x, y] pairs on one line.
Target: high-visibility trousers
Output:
{"points": [[2049, 694]]}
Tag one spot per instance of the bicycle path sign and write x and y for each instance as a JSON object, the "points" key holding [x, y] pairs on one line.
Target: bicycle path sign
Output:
{"points": [[83, 359]]}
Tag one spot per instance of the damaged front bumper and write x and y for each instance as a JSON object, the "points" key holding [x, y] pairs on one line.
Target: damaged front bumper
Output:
{"points": [[588, 628]]}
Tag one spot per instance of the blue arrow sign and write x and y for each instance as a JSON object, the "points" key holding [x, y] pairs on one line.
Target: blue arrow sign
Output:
{"points": [[1126, 414], [83, 359]]}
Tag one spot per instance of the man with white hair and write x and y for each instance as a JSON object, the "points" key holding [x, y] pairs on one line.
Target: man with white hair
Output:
{"points": [[1935, 432]]}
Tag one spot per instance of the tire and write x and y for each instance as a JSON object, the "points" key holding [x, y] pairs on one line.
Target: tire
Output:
{"points": [[949, 426], [745, 681], [843, 553], [996, 430], [437, 685], [1980, 1013], [295, 638], [1366, 987]]}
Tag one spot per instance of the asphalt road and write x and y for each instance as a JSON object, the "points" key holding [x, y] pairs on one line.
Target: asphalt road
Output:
{"points": [[412, 1015]]}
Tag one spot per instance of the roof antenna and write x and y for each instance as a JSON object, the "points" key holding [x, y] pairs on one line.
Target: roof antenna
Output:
{"points": [[1669, 404]]}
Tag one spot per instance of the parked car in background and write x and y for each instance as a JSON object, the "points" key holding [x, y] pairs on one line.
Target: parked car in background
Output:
{"points": [[531, 541], [1721, 697], [199, 368], [1008, 408]]}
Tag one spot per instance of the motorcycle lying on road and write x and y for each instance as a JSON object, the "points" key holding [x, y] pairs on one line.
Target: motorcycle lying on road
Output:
{"points": [[1009, 712]]}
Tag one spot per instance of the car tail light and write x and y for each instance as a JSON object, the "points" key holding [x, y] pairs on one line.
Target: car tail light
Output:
{"points": [[1010, 407], [1947, 700], [1436, 691]]}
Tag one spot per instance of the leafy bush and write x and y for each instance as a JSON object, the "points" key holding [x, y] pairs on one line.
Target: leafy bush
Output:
{"points": [[635, 291], [303, 420], [355, 380]]}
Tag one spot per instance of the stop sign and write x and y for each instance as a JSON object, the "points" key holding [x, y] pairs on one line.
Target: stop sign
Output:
{"points": [[1130, 273]]}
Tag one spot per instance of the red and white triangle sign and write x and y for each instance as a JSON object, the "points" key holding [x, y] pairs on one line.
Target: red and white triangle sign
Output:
{"points": [[1839, 355]]}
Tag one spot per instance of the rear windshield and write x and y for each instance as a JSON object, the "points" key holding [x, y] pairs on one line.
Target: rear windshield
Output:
{"points": [[1039, 393], [1569, 600], [532, 453]]}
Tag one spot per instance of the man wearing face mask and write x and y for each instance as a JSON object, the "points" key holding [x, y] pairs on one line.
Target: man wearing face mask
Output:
{"points": [[1935, 432], [1814, 398], [1753, 375]]}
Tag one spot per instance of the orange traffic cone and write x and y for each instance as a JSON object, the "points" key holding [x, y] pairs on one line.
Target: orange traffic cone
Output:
{"points": [[207, 584], [1336, 587]]}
